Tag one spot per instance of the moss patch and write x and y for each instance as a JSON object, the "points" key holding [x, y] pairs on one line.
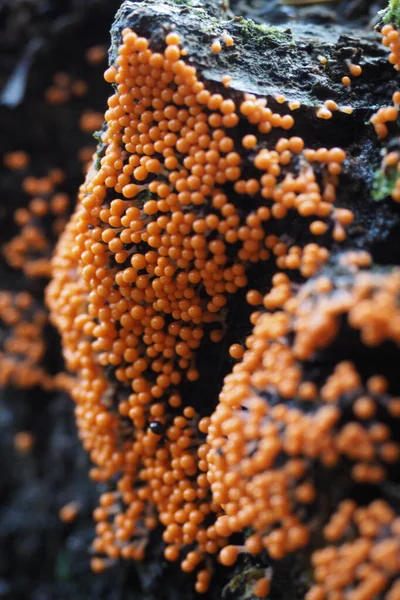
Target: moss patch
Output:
{"points": [[392, 13], [384, 184], [253, 31], [243, 583]]}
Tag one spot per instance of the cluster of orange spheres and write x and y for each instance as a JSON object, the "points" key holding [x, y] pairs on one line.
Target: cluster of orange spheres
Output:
{"points": [[23, 346], [164, 231], [387, 114], [39, 223], [368, 559], [390, 167], [43, 217], [391, 39], [273, 425]]}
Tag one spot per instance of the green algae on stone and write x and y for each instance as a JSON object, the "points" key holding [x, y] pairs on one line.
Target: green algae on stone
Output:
{"points": [[384, 183], [243, 583], [392, 13], [249, 29]]}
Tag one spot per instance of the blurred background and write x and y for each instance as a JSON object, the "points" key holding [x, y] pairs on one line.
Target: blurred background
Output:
{"points": [[52, 96]]}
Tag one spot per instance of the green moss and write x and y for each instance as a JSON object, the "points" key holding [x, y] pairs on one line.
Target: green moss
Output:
{"points": [[252, 31], [243, 583], [392, 13], [384, 183], [142, 197], [97, 135]]}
